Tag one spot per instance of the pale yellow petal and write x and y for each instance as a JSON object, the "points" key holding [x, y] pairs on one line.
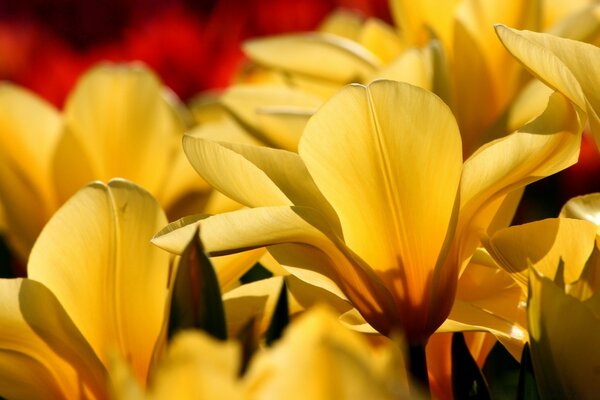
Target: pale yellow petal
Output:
{"points": [[381, 39], [329, 362], [234, 175], [343, 22], [120, 117], [560, 17], [197, 366], [586, 207], [29, 130], [543, 244], [488, 299], [255, 106], [95, 255], [257, 176], [253, 302], [543, 147], [415, 20], [42, 354], [391, 172], [230, 268], [340, 60], [562, 64]]}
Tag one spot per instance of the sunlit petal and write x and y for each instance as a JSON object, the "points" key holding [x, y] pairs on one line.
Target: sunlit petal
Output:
{"points": [[543, 244], [370, 151], [109, 278], [122, 121], [340, 60], [42, 354]]}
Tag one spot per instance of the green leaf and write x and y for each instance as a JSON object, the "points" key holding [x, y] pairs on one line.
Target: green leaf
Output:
{"points": [[467, 380], [501, 372], [281, 317], [197, 301], [527, 389]]}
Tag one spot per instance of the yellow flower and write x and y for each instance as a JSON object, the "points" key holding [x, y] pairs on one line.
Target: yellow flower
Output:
{"points": [[562, 64], [317, 358], [195, 366], [558, 259], [378, 200], [118, 122], [448, 47], [96, 286]]}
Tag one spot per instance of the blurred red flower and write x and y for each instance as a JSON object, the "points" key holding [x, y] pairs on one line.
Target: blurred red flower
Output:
{"points": [[193, 47]]}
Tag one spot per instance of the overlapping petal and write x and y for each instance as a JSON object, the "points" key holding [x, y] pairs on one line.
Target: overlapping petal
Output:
{"points": [[375, 130], [563, 64], [42, 353], [96, 257], [29, 130]]}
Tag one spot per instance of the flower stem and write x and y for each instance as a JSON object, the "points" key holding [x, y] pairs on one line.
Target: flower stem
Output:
{"points": [[418, 368]]}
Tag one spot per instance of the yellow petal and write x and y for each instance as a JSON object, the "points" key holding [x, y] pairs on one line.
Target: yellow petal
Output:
{"points": [[254, 176], [329, 362], [123, 122], [29, 130], [198, 367], [577, 19], [255, 106], [254, 302], [563, 333], [381, 39], [234, 175], [370, 152], [488, 298], [543, 147], [586, 207], [252, 228], [415, 19], [340, 60], [96, 257], [543, 244], [562, 64], [195, 366], [42, 354], [343, 22]]}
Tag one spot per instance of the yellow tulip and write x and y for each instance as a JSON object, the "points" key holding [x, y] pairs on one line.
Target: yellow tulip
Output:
{"points": [[95, 286], [562, 64], [563, 303], [378, 199], [448, 47], [317, 358], [118, 122], [195, 366]]}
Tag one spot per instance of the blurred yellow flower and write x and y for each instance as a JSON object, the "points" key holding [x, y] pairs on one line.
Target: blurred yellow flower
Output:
{"points": [[118, 122], [378, 201], [96, 286], [317, 358]]}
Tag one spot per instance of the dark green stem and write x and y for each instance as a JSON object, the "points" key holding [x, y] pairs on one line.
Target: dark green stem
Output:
{"points": [[418, 368]]}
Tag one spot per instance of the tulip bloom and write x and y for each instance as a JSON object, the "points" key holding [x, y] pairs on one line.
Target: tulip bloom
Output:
{"points": [[118, 122], [557, 259], [329, 362], [448, 47], [96, 287], [378, 201], [562, 64]]}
